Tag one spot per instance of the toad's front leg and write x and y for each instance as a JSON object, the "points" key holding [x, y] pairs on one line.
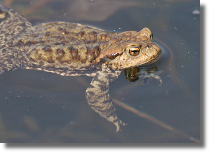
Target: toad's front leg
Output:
{"points": [[100, 101]]}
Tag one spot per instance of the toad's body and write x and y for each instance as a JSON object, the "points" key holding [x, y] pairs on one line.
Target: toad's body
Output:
{"points": [[72, 49]]}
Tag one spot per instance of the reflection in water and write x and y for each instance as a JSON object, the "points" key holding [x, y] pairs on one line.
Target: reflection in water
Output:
{"points": [[133, 74]]}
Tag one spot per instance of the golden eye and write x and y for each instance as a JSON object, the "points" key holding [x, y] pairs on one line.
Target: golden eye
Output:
{"points": [[134, 51]]}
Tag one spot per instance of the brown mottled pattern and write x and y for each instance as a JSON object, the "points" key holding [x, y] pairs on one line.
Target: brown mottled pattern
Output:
{"points": [[72, 49], [11, 25], [63, 48]]}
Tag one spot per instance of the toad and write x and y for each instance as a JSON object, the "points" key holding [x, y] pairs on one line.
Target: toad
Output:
{"points": [[73, 49]]}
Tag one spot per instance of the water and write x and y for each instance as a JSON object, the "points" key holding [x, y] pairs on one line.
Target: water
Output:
{"points": [[37, 106]]}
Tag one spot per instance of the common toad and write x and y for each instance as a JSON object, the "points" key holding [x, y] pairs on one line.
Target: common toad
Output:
{"points": [[72, 49]]}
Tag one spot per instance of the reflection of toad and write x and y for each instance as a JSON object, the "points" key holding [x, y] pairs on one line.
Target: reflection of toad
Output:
{"points": [[71, 49], [134, 73]]}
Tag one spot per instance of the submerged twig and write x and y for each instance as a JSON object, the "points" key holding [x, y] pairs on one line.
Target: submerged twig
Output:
{"points": [[152, 119]]}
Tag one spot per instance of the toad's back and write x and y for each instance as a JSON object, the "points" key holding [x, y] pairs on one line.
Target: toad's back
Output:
{"points": [[61, 45]]}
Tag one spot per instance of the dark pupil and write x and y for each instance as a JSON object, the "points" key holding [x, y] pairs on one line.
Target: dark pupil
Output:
{"points": [[134, 51]]}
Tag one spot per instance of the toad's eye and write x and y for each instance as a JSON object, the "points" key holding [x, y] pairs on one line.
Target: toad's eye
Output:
{"points": [[134, 51]]}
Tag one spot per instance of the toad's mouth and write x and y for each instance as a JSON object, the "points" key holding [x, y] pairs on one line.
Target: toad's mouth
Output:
{"points": [[155, 59]]}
